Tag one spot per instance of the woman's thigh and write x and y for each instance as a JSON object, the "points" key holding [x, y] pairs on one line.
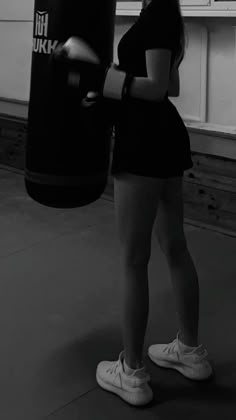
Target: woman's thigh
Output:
{"points": [[136, 203], [169, 224]]}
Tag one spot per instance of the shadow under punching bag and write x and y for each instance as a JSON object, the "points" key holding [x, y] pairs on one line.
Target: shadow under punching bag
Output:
{"points": [[67, 146]]}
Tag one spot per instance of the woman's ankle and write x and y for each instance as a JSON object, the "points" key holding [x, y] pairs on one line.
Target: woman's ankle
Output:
{"points": [[187, 340]]}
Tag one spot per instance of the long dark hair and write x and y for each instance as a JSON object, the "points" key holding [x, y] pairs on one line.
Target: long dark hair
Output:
{"points": [[182, 36], [181, 47]]}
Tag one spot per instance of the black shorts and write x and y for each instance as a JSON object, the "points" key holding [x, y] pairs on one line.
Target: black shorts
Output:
{"points": [[151, 140]]}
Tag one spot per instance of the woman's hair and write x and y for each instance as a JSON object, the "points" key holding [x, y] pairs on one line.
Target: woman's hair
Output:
{"points": [[182, 36], [180, 52]]}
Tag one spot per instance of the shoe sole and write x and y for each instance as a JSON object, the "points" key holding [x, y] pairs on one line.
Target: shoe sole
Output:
{"points": [[181, 369], [135, 398]]}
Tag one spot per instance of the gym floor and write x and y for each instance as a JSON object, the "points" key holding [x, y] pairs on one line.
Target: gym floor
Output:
{"points": [[60, 315]]}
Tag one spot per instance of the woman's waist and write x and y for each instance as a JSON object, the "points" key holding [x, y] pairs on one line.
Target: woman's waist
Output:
{"points": [[139, 107], [144, 115]]}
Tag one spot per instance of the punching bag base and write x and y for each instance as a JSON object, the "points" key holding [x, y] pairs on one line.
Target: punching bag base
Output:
{"points": [[64, 197]]}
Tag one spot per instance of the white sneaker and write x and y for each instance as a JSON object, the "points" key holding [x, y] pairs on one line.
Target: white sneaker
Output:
{"points": [[175, 355]]}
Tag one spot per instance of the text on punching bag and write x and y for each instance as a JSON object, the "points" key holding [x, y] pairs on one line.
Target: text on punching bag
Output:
{"points": [[42, 45]]}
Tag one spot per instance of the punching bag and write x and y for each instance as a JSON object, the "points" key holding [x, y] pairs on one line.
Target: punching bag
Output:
{"points": [[67, 145]]}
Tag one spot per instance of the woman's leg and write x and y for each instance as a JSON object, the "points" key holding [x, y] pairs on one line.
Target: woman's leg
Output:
{"points": [[170, 232], [136, 202]]}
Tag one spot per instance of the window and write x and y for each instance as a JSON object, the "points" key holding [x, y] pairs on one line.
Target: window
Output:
{"points": [[210, 4], [124, 7], [128, 5], [195, 2], [224, 4]]}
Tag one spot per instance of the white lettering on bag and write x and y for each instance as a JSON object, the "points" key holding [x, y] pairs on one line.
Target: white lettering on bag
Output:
{"points": [[42, 45]]}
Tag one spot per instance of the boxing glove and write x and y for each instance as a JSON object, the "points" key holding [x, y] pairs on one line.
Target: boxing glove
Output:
{"points": [[85, 69]]}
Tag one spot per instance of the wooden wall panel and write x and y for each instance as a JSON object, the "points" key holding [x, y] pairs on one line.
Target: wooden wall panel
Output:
{"points": [[210, 193]]}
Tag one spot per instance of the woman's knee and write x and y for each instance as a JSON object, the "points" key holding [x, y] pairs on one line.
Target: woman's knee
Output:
{"points": [[136, 250], [169, 226], [174, 248], [136, 203]]}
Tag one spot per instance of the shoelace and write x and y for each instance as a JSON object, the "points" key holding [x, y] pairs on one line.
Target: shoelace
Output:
{"points": [[113, 368], [171, 348]]}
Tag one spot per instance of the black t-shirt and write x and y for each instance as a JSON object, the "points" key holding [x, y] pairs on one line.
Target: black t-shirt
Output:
{"points": [[156, 27]]}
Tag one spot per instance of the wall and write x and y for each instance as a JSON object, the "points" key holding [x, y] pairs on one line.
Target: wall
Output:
{"points": [[16, 31]]}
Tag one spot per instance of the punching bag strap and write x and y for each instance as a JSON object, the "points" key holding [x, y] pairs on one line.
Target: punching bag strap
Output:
{"points": [[117, 84]]}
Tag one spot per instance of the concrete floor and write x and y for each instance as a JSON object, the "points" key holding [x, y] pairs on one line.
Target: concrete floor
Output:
{"points": [[60, 315]]}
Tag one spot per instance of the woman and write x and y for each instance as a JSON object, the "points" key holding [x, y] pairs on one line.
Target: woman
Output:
{"points": [[151, 153]]}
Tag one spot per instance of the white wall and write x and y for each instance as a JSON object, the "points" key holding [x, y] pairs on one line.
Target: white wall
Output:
{"points": [[16, 9], [191, 102], [16, 30], [15, 53], [222, 74]]}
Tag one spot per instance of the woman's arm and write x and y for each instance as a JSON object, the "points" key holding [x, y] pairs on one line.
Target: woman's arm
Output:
{"points": [[158, 83], [155, 86]]}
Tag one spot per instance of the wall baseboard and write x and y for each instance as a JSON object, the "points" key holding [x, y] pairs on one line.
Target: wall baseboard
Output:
{"points": [[209, 187]]}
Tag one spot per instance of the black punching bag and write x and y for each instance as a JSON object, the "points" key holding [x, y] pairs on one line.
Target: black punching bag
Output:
{"points": [[68, 146]]}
